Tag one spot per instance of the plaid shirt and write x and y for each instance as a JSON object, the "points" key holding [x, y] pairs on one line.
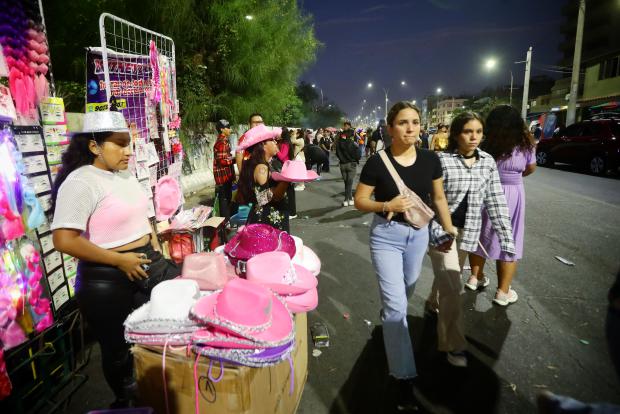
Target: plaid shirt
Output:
{"points": [[482, 182], [223, 171]]}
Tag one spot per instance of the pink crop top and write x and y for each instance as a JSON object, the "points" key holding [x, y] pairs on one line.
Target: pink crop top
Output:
{"points": [[111, 208]]}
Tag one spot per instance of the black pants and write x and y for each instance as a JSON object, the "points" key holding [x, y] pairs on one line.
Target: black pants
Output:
{"points": [[106, 297], [224, 194], [290, 196]]}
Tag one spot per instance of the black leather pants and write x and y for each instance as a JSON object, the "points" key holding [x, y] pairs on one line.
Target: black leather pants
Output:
{"points": [[106, 297]]}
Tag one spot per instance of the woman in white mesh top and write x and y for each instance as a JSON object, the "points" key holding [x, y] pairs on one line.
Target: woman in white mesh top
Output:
{"points": [[101, 217]]}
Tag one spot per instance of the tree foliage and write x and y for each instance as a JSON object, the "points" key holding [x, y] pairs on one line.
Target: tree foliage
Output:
{"points": [[227, 65]]}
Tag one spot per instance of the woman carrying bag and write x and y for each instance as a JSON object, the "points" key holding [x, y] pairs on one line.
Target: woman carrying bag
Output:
{"points": [[397, 244], [101, 217]]}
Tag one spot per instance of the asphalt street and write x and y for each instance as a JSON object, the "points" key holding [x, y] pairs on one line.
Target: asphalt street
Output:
{"points": [[552, 338]]}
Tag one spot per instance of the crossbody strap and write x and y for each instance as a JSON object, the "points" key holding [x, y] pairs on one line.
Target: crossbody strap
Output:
{"points": [[388, 164]]}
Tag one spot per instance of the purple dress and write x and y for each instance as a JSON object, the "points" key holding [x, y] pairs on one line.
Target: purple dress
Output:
{"points": [[510, 173]]}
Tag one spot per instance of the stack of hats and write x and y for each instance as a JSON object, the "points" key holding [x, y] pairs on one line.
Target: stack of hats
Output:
{"points": [[244, 323], [165, 318], [295, 283], [306, 257]]}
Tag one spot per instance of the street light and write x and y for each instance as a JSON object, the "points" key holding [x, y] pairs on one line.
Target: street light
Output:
{"points": [[385, 91], [438, 91], [314, 86], [249, 17], [490, 65]]}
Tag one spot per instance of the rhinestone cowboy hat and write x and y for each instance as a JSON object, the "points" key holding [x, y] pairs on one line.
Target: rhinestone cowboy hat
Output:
{"points": [[248, 310], [294, 171], [258, 134], [254, 239], [167, 311], [209, 269], [306, 257], [276, 271], [256, 358], [104, 121]]}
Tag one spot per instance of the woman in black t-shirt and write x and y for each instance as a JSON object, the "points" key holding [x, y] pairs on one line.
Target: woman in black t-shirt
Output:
{"points": [[397, 249]]}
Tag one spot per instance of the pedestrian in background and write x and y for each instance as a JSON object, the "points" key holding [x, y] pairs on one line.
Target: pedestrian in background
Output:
{"points": [[223, 168], [471, 183], [287, 152], [325, 144], [439, 142], [424, 139], [397, 248], [253, 120], [314, 155], [348, 154], [298, 153], [381, 138], [514, 150], [268, 197]]}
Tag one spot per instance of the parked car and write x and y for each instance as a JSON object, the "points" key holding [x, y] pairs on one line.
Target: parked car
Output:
{"points": [[593, 144]]}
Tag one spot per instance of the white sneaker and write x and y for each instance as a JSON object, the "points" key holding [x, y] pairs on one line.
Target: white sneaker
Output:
{"points": [[505, 299], [345, 203], [457, 359], [473, 283], [300, 188], [292, 217], [351, 203]]}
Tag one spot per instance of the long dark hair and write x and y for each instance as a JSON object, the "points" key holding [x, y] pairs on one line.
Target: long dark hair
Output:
{"points": [[77, 155], [246, 178], [457, 125], [286, 137], [505, 131]]}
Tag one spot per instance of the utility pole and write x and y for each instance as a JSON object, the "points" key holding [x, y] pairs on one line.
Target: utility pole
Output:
{"points": [[574, 82], [526, 82], [386, 102], [511, 82]]}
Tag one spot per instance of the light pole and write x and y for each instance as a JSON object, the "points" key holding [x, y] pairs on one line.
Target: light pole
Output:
{"points": [[385, 92], [314, 86]]}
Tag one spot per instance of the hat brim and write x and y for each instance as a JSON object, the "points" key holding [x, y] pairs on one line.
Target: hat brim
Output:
{"points": [[310, 176], [280, 331], [303, 303], [305, 282], [249, 357], [215, 337], [139, 322]]}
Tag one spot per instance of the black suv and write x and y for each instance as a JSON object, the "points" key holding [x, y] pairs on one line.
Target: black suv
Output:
{"points": [[593, 144]]}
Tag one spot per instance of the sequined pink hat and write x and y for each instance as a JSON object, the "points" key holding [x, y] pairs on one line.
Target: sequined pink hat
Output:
{"points": [[209, 269], [254, 239], [249, 310], [258, 134], [276, 271]]}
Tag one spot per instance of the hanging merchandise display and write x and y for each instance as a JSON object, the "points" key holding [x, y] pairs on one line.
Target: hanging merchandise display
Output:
{"points": [[134, 72]]}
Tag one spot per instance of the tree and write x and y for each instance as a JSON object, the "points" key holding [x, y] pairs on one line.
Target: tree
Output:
{"points": [[227, 65]]}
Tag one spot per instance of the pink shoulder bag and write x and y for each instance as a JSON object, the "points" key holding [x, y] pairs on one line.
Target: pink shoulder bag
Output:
{"points": [[419, 215]]}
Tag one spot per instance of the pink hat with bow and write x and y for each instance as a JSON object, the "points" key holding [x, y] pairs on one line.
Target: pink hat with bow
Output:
{"points": [[258, 134], [303, 303], [294, 171], [209, 269], [276, 271], [254, 239], [167, 197], [248, 310]]}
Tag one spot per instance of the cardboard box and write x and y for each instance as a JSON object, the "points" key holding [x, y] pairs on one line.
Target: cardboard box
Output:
{"points": [[241, 390]]}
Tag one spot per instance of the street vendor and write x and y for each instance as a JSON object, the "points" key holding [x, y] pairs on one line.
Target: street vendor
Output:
{"points": [[101, 217]]}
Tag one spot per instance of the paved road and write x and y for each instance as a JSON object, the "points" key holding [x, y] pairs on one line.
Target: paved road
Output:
{"points": [[552, 338]]}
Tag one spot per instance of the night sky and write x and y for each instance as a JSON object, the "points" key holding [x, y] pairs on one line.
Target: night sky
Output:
{"points": [[428, 44]]}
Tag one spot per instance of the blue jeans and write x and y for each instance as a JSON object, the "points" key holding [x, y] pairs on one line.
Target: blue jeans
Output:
{"points": [[397, 251]]}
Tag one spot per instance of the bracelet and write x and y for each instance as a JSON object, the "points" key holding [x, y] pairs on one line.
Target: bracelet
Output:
{"points": [[384, 207]]}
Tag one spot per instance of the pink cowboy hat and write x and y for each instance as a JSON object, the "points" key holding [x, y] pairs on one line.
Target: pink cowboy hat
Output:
{"points": [[306, 257], [209, 269], [294, 171], [258, 134], [255, 239], [276, 271], [216, 337], [303, 303], [167, 197], [249, 310]]}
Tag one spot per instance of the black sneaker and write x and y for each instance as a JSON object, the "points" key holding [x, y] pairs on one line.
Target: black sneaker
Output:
{"points": [[405, 400]]}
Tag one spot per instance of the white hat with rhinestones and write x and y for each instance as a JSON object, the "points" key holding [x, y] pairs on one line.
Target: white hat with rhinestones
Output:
{"points": [[104, 121]]}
